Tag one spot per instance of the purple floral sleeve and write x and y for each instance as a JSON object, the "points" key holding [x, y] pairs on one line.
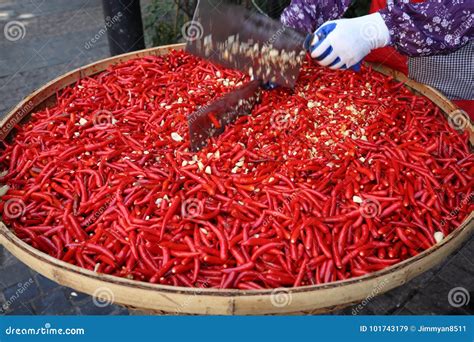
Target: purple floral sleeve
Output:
{"points": [[422, 29], [308, 15], [429, 28]]}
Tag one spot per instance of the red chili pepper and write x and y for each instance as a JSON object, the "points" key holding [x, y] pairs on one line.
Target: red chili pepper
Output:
{"points": [[214, 120], [169, 214], [314, 186]]}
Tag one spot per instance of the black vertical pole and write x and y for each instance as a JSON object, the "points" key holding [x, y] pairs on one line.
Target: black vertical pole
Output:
{"points": [[123, 20]]}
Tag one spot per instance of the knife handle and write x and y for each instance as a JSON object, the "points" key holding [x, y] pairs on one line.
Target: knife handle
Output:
{"points": [[321, 36], [269, 85]]}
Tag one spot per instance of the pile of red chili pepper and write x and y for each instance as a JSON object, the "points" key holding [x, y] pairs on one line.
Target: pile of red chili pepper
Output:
{"points": [[344, 175]]}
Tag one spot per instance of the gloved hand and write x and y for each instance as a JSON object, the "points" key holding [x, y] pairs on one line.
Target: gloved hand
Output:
{"points": [[343, 43]]}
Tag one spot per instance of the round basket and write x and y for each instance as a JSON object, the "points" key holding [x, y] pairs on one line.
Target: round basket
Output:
{"points": [[182, 300]]}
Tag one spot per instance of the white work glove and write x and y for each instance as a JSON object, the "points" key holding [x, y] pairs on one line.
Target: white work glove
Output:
{"points": [[343, 43]]}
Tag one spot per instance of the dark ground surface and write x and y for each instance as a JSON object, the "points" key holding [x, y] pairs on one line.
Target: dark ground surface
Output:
{"points": [[56, 32]]}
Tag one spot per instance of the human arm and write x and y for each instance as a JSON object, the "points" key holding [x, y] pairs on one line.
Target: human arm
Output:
{"points": [[414, 29], [308, 15], [432, 27]]}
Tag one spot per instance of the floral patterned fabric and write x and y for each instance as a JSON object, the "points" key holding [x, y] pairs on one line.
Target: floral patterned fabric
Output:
{"points": [[430, 28]]}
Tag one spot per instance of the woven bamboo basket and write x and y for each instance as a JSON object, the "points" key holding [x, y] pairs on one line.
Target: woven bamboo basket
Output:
{"points": [[180, 300]]}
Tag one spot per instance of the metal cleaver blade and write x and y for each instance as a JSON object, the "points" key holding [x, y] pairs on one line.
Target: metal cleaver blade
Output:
{"points": [[237, 38], [211, 120]]}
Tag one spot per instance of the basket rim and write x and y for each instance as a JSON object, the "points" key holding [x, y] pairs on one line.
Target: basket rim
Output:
{"points": [[80, 72], [12, 238]]}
